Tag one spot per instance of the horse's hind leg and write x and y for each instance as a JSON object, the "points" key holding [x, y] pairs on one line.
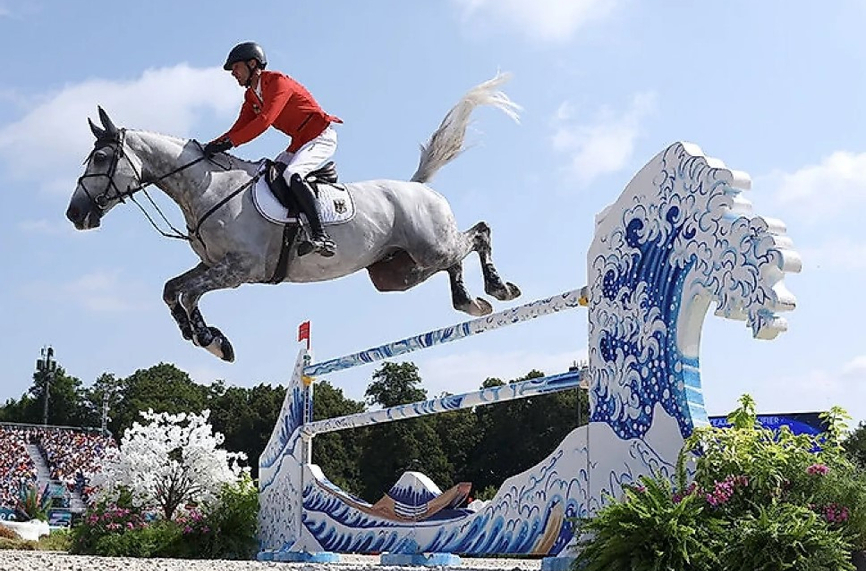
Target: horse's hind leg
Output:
{"points": [[493, 284], [460, 297]]}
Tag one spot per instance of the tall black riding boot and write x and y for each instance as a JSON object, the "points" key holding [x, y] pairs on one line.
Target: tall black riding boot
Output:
{"points": [[319, 242]]}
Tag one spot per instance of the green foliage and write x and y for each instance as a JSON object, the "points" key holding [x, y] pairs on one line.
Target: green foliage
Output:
{"points": [[395, 384], [785, 536], [855, 445], [648, 530], [57, 540], [33, 503], [105, 520], [767, 500], [226, 530], [162, 388], [516, 435], [223, 530], [17, 544], [247, 416], [337, 453]]}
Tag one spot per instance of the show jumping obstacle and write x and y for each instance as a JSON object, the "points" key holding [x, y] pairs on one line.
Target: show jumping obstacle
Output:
{"points": [[680, 237]]}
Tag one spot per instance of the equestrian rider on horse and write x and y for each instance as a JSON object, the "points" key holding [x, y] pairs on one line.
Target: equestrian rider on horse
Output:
{"points": [[275, 99]]}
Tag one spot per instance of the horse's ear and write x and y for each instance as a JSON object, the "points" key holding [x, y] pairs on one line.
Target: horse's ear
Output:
{"points": [[97, 132], [110, 129]]}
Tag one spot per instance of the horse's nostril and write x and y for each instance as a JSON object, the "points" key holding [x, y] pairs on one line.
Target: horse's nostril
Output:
{"points": [[72, 214]]}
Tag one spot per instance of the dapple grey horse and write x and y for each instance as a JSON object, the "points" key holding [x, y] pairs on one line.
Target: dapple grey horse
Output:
{"points": [[403, 232]]}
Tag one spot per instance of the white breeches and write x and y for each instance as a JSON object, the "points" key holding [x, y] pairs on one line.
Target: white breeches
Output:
{"points": [[311, 156]]}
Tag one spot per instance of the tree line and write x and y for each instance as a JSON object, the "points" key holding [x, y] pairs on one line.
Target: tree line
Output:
{"points": [[483, 445]]}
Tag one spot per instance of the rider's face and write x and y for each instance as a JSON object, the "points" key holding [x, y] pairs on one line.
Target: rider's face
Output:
{"points": [[241, 72]]}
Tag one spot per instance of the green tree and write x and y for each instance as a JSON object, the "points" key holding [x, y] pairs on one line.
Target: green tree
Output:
{"points": [[396, 447], [246, 416], [65, 401], [161, 388], [338, 453], [395, 384], [516, 435], [855, 445], [106, 385]]}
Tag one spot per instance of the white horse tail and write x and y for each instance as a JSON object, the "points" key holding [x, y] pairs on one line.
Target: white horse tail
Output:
{"points": [[447, 142]]}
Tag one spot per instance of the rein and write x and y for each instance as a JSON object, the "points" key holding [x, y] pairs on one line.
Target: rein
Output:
{"points": [[101, 201]]}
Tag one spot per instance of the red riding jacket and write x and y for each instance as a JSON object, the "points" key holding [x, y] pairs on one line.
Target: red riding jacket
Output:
{"points": [[285, 104]]}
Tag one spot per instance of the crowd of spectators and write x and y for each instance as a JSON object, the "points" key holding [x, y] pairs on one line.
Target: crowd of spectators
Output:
{"points": [[71, 455], [16, 467]]}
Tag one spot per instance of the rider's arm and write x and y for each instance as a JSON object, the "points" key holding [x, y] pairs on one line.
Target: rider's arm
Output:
{"points": [[276, 94], [246, 115]]}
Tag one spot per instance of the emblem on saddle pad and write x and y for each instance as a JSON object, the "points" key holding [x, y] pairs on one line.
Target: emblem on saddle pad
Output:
{"points": [[335, 204]]}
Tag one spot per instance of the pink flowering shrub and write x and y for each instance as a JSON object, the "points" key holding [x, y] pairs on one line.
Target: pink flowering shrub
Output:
{"points": [[225, 530], [746, 497]]}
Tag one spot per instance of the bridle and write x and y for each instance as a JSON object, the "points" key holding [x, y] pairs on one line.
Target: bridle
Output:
{"points": [[101, 201], [112, 192]]}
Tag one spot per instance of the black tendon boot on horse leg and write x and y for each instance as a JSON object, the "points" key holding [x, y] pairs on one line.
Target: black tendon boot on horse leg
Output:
{"points": [[319, 242]]}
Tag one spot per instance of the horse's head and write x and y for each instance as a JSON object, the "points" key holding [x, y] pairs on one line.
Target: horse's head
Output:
{"points": [[111, 174]]}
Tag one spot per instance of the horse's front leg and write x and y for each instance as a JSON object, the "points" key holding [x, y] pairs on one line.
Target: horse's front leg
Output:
{"points": [[194, 284], [171, 297]]}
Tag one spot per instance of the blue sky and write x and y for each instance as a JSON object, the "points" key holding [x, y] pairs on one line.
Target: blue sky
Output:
{"points": [[774, 88]]}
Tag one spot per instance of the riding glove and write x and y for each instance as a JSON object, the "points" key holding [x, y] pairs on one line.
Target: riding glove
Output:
{"points": [[218, 146]]}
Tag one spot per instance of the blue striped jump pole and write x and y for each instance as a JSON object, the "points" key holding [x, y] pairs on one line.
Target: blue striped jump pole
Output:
{"points": [[490, 395], [568, 300]]}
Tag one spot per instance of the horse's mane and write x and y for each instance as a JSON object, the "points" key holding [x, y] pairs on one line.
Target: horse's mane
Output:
{"points": [[235, 161]]}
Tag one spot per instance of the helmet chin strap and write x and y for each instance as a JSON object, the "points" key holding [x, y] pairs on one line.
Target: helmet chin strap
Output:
{"points": [[250, 69]]}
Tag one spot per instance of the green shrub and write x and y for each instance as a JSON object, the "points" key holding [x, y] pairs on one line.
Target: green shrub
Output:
{"points": [[235, 522], [650, 529], [57, 540], [17, 544], [224, 530], [785, 536], [752, 499], [104, 520], [157, 539]]}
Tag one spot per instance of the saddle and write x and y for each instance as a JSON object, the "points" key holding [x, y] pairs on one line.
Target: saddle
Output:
{"points": [[326, 174]]}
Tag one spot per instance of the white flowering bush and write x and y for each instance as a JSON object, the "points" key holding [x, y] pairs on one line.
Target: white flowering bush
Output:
{"points": [[168, 462]]}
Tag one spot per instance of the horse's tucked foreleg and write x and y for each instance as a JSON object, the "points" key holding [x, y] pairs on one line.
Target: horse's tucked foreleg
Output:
{"points": [[171, 296], [188, 290]]}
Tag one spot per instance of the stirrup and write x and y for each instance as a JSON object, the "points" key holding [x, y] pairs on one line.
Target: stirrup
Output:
{"points": [[323, 246]]}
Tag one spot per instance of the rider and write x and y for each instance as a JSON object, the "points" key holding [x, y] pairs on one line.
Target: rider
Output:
{"points": [[275, 99]]}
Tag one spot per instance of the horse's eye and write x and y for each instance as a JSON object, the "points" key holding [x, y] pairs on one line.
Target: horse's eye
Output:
{"points": [[100, 157]]}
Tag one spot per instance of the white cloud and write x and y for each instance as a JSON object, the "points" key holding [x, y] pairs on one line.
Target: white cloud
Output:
{"points": [[836, 254], [855, 369], [100, 291], [832, 186], [604, 145], [465, 372], [49, 142], [548, 21]]}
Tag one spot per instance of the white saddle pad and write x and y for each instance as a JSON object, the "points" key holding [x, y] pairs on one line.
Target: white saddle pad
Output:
{"points": [[335, 204]]}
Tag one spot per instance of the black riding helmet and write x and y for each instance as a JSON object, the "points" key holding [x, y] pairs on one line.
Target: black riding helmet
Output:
{"points": [[245, 52]]}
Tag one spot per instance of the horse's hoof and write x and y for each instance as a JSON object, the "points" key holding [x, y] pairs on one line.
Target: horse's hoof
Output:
{"points": [[513, 291], [221, 346], [505, 292], [477, 307]]}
